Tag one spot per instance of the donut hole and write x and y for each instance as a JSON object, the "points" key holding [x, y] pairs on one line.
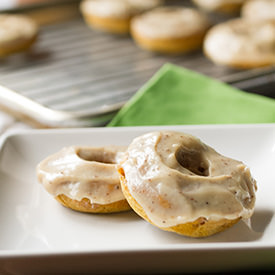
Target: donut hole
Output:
{"points": [[97, 155], [193, 160]]}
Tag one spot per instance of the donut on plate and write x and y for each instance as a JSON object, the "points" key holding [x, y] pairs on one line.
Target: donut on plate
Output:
{"points": [[84, 178], [177, 183], [17, 33], [241, 43], [255, 10], [114, 15], [171, 30]]}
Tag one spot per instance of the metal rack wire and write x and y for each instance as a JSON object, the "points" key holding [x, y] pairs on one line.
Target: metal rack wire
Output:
{"points": [[77, 77]]}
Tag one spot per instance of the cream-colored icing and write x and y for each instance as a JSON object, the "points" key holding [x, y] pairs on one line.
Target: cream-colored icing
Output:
{"points": [[241, 40], [259, 10], [14, 28], [166, 22], [213, 5], [118, 8], [83, 172], [176, 179]]}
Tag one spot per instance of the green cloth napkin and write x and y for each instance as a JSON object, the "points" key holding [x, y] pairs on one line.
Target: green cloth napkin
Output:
{"points": [[175, 95]]}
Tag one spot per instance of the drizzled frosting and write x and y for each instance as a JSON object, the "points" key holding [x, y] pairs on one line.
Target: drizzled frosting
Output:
{"points": [[176, 179], [83, 172]]}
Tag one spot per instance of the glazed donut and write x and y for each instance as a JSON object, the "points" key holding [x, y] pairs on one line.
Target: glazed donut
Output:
{"points": [[18, 33], [171, 30], [84, 178], [177, 183], [114, 15], [222, 6], [259, 10], [241, 43]]}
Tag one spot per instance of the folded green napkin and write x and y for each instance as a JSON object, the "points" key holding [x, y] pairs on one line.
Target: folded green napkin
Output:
{"points": [[176, 95]]}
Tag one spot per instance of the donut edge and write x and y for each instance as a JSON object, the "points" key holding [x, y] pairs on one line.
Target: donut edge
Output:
{"points": [[86, 206], [198, 229], [169, 45], [107, 24], [224, 8], [18, 46]]}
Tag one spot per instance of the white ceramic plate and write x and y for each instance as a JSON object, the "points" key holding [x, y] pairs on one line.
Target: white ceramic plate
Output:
{"points": [[39, 235]]}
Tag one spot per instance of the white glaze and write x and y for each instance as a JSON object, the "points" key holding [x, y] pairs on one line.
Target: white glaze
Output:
{"points": [[259, 10], [176, 179], [241, 41], [213, 5], [83, 172], [15, 28], [166, 22], [118, 8]]}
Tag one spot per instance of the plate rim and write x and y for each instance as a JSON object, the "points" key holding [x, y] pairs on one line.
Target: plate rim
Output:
{"points": [[189, 247]]}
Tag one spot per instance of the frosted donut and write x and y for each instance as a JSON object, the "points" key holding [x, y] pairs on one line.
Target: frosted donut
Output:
{"points": [[259, 10], [17, 33], [179, 184], [222, 6], [241, 43], [84, 178], [171, 30], [114, 15]]}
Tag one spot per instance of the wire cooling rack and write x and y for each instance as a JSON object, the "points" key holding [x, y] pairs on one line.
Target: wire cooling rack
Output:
{"points": [[77, 77]]}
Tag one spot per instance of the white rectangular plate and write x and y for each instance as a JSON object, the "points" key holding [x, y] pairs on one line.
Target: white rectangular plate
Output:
{"points": [[38, 234]]}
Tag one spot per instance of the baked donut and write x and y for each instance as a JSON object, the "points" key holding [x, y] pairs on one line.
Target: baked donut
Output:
{"points": [[84, 178], [170, 30], [221, 6], [255, 10], [18, 33], [114, 15], [241, 43], [177, 183]]}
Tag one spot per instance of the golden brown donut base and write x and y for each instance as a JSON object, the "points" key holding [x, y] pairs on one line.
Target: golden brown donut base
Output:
{"points": [[112, 25], [86, 206], [241, 65], [226, 8], [17, 46], [197, 229], [229, 8], [169, 45]]}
